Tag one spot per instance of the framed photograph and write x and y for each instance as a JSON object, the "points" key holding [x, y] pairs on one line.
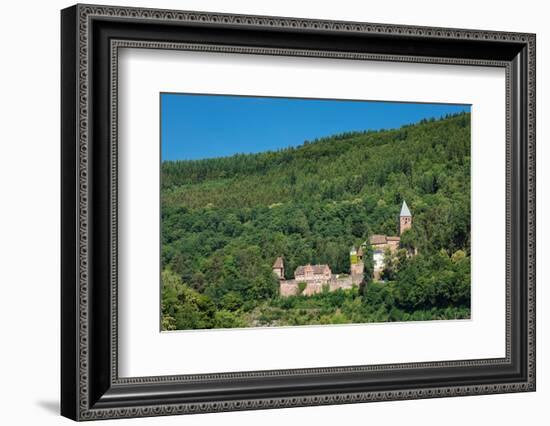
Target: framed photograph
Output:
{"points": [[264, 212]]}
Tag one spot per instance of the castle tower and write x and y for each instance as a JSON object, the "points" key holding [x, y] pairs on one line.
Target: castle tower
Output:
{"points": [[405, 218], [353, 256], [279, 268], [356, 264], [360, 254]]}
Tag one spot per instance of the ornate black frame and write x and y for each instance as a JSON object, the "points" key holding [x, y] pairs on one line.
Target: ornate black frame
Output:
{"points": [[91, 37]]}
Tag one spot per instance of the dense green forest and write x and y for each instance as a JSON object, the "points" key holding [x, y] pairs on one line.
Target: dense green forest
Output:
{"points": [[225, 220]]}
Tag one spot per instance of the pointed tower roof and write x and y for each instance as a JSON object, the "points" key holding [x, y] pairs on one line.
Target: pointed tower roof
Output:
{"points": [[278, 263], [405, 210]]}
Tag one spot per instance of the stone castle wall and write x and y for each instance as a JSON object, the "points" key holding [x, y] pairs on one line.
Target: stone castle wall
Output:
{"points": [[345, 283], [315, 286], [288, 288]]}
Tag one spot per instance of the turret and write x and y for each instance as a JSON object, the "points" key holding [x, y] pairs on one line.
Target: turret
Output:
{"points": [[279, 268], [405, 218], [356, 264]]}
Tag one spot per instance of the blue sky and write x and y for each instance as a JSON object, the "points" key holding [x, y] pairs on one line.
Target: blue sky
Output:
{"points": [[206, 126]]}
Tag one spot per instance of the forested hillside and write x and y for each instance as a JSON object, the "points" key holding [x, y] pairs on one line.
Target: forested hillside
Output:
{"points": [[225, 220]]}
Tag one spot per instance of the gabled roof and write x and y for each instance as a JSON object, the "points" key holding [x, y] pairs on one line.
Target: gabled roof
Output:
{"points": [[378, 239], [405, 209], [317, 269], [278, 263]]}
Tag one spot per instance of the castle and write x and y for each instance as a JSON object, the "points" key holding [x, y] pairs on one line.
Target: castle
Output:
{"points": [[380, 243], [312, 279]]}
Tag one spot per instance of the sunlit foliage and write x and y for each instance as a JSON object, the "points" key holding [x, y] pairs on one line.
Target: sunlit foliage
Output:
{"points": [[225, 220]]}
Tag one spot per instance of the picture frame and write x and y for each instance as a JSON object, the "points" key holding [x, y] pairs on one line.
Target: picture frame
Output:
{"points": [[90, 384]]}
